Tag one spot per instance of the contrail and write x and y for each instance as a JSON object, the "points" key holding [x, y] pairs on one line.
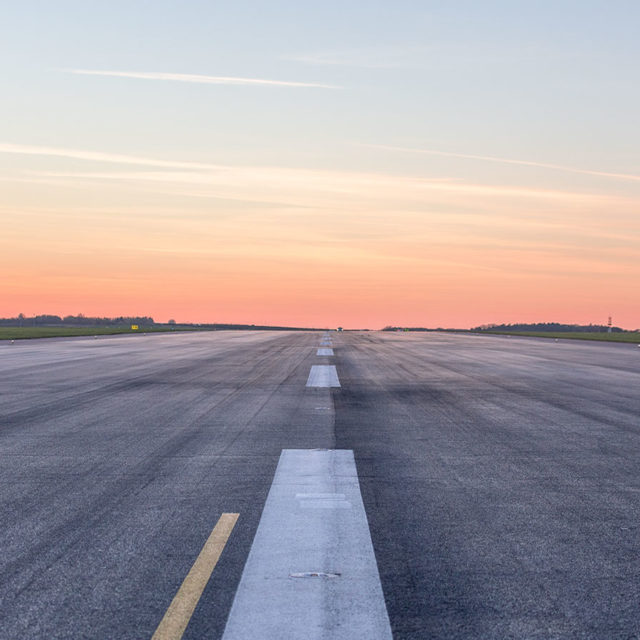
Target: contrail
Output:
{"points": [[98, 156], [527, 163], [199, 79]]}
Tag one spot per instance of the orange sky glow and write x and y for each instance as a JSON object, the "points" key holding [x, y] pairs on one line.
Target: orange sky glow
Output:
{"points": [[315, 248]]}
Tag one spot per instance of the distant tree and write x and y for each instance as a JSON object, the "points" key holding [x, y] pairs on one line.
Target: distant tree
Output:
{"points": [[547, 326], [172, 321]]}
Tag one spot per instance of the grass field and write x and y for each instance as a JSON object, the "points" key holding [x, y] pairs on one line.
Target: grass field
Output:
{"points": [[633, 336], [22, 333]]}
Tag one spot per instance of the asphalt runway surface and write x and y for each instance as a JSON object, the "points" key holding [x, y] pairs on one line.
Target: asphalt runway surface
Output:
{"points": [[500, 477]]}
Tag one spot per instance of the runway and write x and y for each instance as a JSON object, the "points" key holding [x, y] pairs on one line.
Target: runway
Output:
{"points": [[499, 478]]}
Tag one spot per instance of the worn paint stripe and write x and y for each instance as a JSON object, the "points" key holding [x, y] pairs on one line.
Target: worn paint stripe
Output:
{"points": [[311, 573], [323, 375], [180, 610]]}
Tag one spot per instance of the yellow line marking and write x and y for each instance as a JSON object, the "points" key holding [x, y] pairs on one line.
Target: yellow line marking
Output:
{"points": [[180, 610]]}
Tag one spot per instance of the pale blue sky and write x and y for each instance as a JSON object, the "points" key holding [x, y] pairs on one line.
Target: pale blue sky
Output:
{"points": [[545, 81]]}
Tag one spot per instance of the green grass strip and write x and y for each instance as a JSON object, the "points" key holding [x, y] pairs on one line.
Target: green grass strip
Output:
{"points": [[26, 333], [631, 336]]}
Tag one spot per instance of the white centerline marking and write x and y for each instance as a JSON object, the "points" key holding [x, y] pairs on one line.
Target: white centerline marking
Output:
{"points": [[311, 573], [324, 352], [323, 375]]}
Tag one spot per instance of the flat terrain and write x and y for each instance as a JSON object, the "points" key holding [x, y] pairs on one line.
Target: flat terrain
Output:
{"points": [[24, 333], [499, 476], [630, 336]]}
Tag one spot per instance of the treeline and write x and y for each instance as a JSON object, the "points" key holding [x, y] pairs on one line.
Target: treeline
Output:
{"points": [[549, 326], [74, 321], [81, 320], [534, 326]]}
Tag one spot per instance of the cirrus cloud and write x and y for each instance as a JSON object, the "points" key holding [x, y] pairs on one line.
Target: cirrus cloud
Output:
{"points": [[200, 79]]}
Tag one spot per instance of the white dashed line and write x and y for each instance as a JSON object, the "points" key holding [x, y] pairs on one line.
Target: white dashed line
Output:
{"points": [[324, 352], [323, 375], [311, 573]]}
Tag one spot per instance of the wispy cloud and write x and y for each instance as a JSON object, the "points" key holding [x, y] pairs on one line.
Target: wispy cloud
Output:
{"points": [[200, 79], [527, 163], [297, 186], [337, 190], [99, 156]]}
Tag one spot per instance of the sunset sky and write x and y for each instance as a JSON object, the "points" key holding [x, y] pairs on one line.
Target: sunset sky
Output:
{"points": [[439, 164]]}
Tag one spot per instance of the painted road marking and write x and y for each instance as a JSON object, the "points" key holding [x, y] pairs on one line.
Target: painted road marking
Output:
{"points": [[324, 352], [311, 573], [323, 375], [179, 613]]}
